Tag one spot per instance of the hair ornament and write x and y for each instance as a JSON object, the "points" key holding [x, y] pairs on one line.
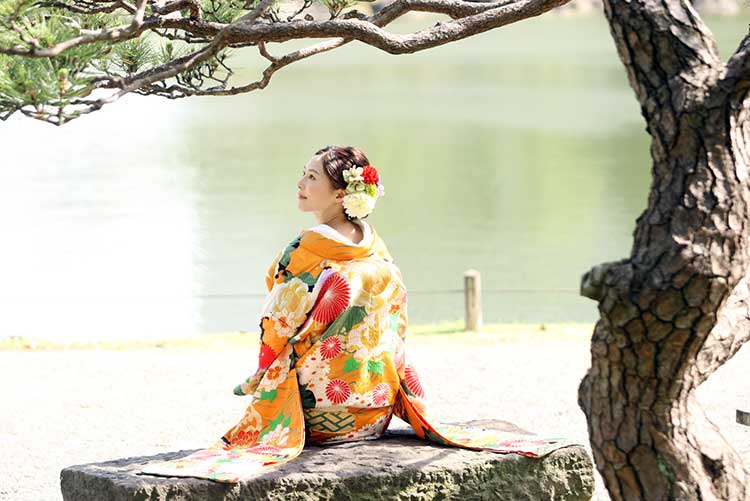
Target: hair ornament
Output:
{"points": [[362, 190]]}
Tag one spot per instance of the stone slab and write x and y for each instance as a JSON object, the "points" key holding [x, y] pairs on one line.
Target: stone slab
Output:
{"points": [[397, 466]]}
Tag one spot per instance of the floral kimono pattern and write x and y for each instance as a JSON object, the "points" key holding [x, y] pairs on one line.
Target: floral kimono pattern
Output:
{"points": [[332, 365]]}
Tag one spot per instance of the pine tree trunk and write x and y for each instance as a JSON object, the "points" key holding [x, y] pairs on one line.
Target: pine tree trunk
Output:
{"points": [[679, 306]]}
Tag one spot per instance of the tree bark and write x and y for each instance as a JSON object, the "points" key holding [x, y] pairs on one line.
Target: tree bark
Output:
{"points": [[678, 307]]}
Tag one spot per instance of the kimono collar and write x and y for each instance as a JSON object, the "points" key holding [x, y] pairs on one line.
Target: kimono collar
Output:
{"points": [[325, 241]]}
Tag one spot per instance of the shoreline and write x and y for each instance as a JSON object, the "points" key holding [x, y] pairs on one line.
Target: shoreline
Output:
{"points": [[492, 333]]}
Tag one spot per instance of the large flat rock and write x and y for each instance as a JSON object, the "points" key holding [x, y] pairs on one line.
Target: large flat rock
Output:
{"points": [[396, 466]]}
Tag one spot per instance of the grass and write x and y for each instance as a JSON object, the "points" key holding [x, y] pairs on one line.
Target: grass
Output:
{"points": [[441, 332]]}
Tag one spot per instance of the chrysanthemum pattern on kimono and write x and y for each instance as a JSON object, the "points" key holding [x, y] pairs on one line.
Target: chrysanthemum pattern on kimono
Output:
{"points": [[332, 365]]}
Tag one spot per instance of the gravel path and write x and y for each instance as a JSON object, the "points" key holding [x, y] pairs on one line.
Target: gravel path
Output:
{"points": [[73, 407]]}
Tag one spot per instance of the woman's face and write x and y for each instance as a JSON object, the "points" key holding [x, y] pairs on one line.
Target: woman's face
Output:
{"points": [[316, 192]]}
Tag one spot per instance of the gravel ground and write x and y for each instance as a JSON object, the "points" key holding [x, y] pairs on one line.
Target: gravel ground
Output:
{"points": [[61, 408]]}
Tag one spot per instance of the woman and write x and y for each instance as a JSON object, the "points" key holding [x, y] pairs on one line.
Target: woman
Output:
{"points": [[332, 365]]}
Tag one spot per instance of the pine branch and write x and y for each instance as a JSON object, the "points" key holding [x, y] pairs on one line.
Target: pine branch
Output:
{"points": [[108, 56]]}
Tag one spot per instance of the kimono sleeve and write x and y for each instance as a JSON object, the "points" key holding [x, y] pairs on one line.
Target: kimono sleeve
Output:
{"points": [[402, 321], [399, 310], [399, 322], [411, 387], [285, 309]]}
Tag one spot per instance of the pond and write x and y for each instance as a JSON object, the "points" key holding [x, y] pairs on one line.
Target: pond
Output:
{"points": [[520, 152]]}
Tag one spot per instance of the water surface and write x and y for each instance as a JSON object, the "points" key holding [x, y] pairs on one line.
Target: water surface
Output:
{"points": [[520, 152]]}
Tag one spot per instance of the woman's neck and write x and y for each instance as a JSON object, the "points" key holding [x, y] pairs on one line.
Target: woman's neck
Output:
{"points": [[340, 223], [332, 220]]}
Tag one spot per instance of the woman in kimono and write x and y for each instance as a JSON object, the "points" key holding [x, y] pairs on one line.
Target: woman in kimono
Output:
{"points": [[332, 365]]}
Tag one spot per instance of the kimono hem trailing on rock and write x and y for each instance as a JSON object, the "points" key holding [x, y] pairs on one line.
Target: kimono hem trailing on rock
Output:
{"points": [[332, 365]]}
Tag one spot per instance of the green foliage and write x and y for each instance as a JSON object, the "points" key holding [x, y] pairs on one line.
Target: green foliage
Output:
{"points": [[168, 52], [131, 56], [60, 88], [43, 82], [55, 80], [47, 25], [222, 11], [18, 7], [226, 11], [37, 81], [335, 7]]}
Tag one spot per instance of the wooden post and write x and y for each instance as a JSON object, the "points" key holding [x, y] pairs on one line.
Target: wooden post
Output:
{"points": [[473, 299], [743, 417]]}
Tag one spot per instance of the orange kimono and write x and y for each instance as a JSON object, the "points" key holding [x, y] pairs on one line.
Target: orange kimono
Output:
{"points": [[332, 365]]}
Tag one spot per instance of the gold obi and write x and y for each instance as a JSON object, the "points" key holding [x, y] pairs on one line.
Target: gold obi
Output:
{"points": [[345, 424]]}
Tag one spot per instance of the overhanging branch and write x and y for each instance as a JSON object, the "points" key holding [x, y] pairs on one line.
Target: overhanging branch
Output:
{"points": [[467, 19], [419, 41], [373, 35]]}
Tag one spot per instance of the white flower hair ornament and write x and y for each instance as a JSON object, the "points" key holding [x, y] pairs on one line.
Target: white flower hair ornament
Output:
{"points": [[362, 190]]}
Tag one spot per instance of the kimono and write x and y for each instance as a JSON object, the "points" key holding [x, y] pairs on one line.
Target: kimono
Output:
{"points": [[332, 365]]}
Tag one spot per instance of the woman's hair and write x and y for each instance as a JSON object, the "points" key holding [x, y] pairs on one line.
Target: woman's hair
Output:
{"points": [[339, 158]]}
